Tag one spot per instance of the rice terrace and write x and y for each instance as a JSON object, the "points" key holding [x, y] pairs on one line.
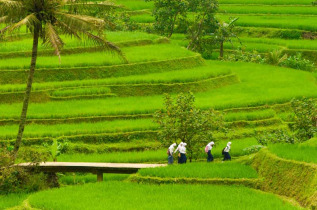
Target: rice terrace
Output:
{"points": [[158, 104]]}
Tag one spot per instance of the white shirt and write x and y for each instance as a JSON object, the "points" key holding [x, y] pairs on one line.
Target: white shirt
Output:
{"points": [[227, 149], [209, 146], [182, 149], [171, 148]]}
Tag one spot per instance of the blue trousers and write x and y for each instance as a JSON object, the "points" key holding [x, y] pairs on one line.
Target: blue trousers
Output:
{"points": [[209, 157], [170, 159], [182, 159], [226, 156]]}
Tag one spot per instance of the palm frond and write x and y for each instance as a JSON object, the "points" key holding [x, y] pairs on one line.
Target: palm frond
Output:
{"points": [[52, 39], [10, 6], [81, 22], [106, 45], [67, 30], [30, 21]]}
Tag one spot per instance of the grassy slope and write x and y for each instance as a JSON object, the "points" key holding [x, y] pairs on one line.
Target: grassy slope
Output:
{"points": [[260, 84], [25, 44], [185, 75], [305, 153], [133, 54], [11, 200], [116, 195], [202, 170]]}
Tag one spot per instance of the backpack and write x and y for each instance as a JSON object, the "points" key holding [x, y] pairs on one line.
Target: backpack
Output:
{"points": [[223, 151], [206, 149], [168, 152]]}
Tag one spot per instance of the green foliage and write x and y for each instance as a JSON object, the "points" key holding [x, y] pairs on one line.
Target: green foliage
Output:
{"points": [[57, 148], [252, 149], [225, 32], [183, 122], [245, 56], [14, 179], [276, 57], [279, 136], [298, 62], [203, 24], [305, 111], [167, 14]]}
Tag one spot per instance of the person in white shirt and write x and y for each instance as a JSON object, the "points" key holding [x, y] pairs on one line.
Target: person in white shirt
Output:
{"points": [[182, 153], [170, 153], [226, 151], [208, 149]]}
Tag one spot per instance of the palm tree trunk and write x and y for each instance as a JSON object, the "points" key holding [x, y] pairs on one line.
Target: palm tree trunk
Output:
{"points": [[221, 49], [27, 94]]}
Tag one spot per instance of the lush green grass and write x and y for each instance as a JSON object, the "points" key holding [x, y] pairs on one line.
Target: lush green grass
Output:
{"points": [[39, 130], [276, 21], [269, 9], [11, 200], [81, 91], [117, 195], [186, 75], [297, 152], [265, 44], [269, 2], [255, 115], [116, 37], [202, 170], [260, 84], [133, 54]]}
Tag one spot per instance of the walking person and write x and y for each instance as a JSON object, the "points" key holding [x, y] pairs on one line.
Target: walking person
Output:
{"points": [[226, 151], [182, 153], [208, 149], [170, 152]]}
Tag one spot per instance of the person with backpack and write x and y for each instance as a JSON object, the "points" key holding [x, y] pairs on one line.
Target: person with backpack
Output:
{"points": [[182, 153], [208, 149], [170, 151], [225, 152]]}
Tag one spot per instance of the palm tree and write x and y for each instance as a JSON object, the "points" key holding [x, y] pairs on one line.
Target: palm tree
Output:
{"points": [[46, 19], [224, 33]]}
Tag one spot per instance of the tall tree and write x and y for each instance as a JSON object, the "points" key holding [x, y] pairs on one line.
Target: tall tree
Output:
{"points": [[204, 23], [167, 13], [183, 122], [46, 20]]}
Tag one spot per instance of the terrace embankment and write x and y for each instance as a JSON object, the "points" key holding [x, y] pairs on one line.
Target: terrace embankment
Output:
{"points": [[289, 178]]}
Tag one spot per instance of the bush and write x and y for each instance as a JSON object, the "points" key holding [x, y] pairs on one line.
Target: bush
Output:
{"points": [[241, 55], [252, 149], [279, 136], [298, 62], [15, 179]]}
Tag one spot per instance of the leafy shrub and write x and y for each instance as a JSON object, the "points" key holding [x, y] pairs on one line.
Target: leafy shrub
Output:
{"points": [[252, 149], [298, 62], [305, 111], [279, 136], [15, 179], [241, 55]]}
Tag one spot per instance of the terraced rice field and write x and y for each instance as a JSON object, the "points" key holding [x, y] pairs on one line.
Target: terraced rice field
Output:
{"points": [[102, 107]]}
